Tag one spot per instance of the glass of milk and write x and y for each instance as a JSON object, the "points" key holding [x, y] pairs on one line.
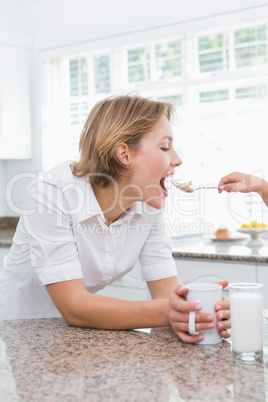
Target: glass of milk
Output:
{"points": [[246, 304]]}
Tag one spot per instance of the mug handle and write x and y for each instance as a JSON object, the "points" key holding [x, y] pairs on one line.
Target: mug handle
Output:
{"points": [[192, 330]]}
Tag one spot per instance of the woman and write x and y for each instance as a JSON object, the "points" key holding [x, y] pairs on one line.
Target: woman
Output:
{"points": [[86, 224], [244, 183]]}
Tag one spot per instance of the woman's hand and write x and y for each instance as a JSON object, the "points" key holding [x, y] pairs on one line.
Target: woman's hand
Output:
{"points": [[240, 182], [178, 314], [244, 183], [223, 313]]}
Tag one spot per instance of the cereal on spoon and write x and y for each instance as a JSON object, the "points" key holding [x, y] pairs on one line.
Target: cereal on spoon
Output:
{"points": [[186, 186]]}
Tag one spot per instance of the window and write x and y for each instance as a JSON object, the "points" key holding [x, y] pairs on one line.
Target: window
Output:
{"points": [[102, 73], [154, 63], [78, 77], [86, 84], [218, 83], [138, 65], [214, 96], [213, 52], [258, 92], [176, 100], [168, 60], [250, 46], [79, 106]]}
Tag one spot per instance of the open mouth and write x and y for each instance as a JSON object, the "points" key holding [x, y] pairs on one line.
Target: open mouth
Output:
{"points": [[163, 187]]}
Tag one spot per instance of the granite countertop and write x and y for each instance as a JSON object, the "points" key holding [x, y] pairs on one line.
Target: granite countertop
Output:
{"points": [[201, 247], [6, 237], [46, 360], [8, 226]]}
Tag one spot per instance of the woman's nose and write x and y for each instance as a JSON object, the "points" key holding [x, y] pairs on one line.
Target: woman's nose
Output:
{"points": [[176, 160]]}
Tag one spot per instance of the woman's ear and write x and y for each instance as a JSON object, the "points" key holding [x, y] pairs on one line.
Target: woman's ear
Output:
{"points": [[123, 153]]}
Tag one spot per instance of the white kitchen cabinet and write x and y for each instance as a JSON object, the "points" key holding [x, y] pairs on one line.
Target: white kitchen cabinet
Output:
{"points": [[15, 124], [125, 293], [210, 271], [262, 277], [129, 287]]}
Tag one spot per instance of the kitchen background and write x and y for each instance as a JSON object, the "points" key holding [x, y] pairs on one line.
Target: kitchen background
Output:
{"points": [[57, 58]]}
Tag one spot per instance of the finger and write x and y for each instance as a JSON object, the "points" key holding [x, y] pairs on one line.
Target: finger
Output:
{"points": [[223, 315], [233, 182], [202, 317], [222, 182], [223, 283], [221, 325], [180, 304], [178, 316], [181, 290], [187, 338], [220, 187], [184, 326], [225, 334], [229, 178], [223, 305]]}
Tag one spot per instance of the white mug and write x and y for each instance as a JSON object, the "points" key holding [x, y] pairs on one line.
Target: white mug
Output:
{"points": [[208, 295]]}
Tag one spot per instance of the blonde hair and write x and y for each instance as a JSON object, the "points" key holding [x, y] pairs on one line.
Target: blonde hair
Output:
{"points": [[115, 120]]}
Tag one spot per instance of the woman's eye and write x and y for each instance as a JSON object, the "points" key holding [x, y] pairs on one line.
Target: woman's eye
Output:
{"points": [[165, 149]]}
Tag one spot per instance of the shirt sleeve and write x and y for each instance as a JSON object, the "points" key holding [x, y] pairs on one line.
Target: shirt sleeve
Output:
{"points": [[156, 255], [53, 248]]}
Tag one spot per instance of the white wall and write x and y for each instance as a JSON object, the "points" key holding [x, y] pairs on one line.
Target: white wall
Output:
{"points": [[61, 23], [61, 27]]}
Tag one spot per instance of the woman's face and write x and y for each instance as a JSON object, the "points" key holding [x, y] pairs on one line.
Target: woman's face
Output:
{"points": [[154, 160]]}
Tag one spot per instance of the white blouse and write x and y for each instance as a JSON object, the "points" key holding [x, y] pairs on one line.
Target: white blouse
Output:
{"points": [[62, 236]]}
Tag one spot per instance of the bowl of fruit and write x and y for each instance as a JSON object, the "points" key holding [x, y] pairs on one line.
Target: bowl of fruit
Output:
{"points": [[254, 229]]}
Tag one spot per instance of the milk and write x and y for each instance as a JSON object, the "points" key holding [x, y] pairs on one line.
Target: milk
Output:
{"points": [[246, 322]]}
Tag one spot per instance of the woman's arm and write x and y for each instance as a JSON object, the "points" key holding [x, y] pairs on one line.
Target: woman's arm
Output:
{"points": [[244, 183], [83, 309], [163, 288]]}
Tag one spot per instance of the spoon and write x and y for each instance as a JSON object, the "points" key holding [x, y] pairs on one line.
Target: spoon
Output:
{"points": [[186, 187]]}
